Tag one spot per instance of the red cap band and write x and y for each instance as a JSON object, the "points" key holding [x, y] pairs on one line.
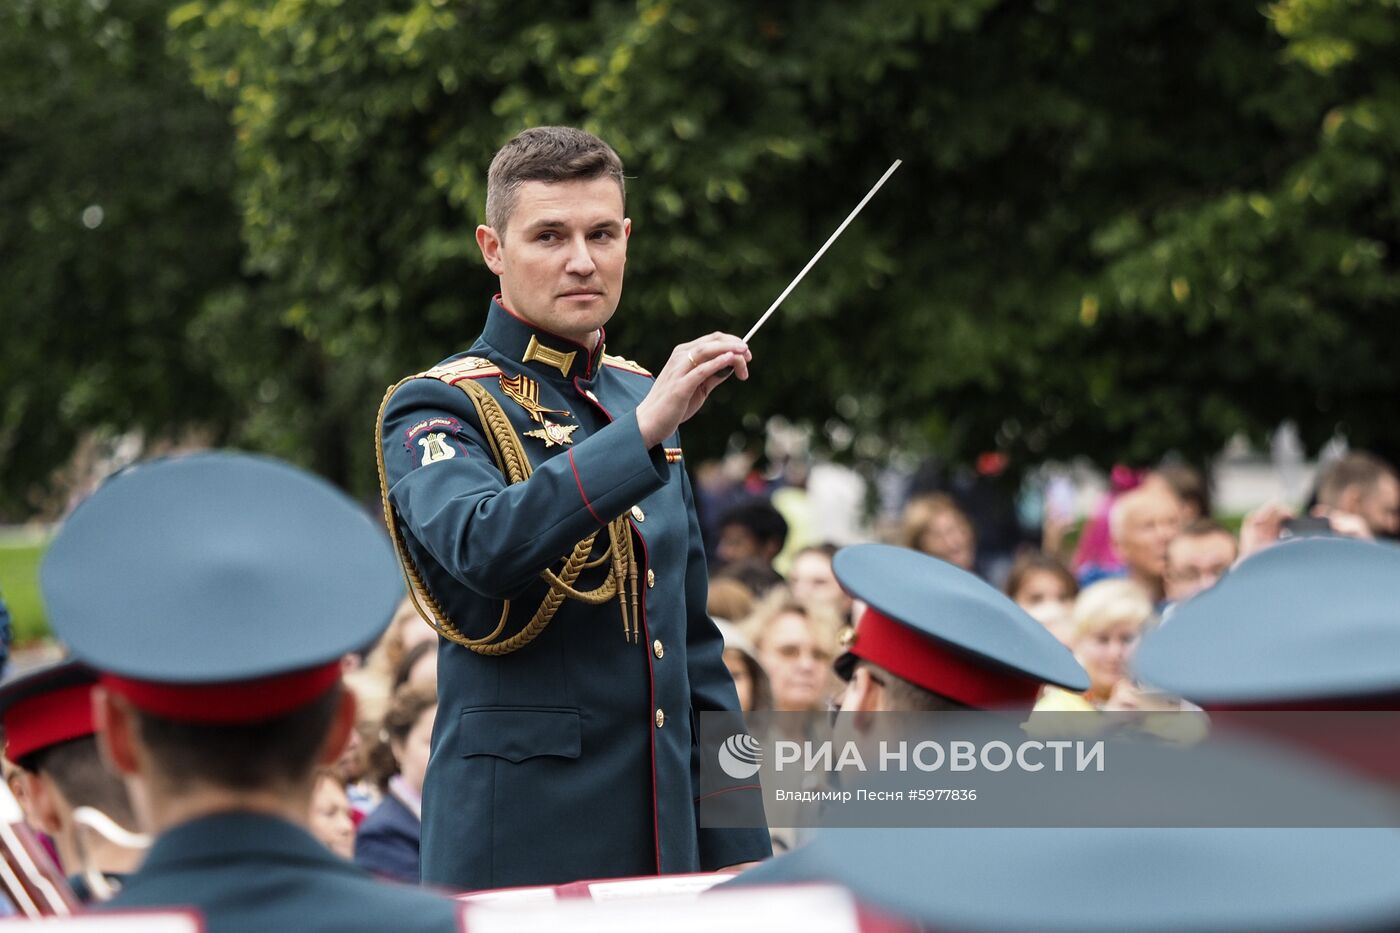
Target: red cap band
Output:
{"points": [[229, 703], [48, 719], [931, 664], [1361, 743]]}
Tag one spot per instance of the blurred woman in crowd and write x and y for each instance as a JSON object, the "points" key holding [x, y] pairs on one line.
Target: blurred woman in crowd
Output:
{"points": [[1108, 619], [387, 843], [750, 680], [796, 643], [729, 600], [1045, 588], [405, 630], [417, 667], [330, 821], [812, 579], [935, 525]]}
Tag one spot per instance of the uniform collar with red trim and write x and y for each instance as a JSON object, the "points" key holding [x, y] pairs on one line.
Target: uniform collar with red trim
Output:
{"points": [[538, 350]]}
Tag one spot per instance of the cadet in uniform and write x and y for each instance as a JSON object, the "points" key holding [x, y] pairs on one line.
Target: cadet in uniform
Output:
{"points": [[934, 636], [47, 715], [1305, 624], [1132, 876], [1309, 625], [948, 636], [537, 494], [215, 595]]}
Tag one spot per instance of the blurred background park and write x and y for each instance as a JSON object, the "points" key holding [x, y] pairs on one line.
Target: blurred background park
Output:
{"points": [[1124, 233]]}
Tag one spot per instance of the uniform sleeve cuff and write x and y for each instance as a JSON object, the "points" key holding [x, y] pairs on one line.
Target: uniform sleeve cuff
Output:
{"points": [[613, 468], [721, 848]]}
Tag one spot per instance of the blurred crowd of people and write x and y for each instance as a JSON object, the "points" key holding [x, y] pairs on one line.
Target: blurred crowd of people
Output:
{"points": [[1152, 543]]}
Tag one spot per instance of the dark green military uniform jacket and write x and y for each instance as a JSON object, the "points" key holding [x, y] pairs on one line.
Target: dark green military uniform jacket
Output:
{"points": [[574, 756], [246, 871]]}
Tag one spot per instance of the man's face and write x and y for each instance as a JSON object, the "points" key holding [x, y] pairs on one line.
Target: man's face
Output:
{"points": [[812, 579], [1147, 530], [1380, 508], [736, 543], [798, 666], [1197, 562], [562, 256]]}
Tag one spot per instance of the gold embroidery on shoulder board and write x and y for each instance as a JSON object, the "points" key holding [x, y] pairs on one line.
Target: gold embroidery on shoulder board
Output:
{"points": [[453, 370], [618, 362]]}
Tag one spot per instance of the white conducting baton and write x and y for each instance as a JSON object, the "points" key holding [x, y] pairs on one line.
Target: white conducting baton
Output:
{"points": [[825, 246]]}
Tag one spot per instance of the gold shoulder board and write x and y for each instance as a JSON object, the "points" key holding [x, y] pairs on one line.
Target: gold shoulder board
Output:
{"points": [[618, 362], [467, 367]]}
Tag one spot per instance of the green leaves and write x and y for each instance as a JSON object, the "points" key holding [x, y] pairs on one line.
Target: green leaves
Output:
{"points": [[1120, 230]]}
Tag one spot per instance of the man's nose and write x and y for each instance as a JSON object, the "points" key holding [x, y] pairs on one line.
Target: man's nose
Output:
{"points": [[580, 261]]}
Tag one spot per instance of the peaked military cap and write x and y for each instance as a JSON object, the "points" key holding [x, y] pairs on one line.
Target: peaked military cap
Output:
{"points": [[1167, 880], [219, 587], [948, 631], [1311, 619], [46, 707]]}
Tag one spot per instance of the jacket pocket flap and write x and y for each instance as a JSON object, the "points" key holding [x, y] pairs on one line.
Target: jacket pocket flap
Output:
{"points": [[516, 733]]}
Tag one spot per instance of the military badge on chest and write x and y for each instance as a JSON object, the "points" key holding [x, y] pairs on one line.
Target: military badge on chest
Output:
{"points": [[525, 392]]}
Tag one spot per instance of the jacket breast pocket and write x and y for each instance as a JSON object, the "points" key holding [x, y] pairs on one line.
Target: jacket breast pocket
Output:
{"points": [[516, 733]]}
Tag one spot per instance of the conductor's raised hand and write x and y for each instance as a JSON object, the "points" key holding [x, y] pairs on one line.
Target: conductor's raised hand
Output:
{"points": [[687, 379]]}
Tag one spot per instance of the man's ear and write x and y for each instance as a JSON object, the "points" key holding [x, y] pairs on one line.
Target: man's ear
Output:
{"points": [[116, 732], [1350, 499], [341, 727], [45, 802], [489, 242], [864, 698]]}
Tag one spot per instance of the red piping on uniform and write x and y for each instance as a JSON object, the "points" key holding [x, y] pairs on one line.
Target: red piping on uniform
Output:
{"points": [[587, 353], [651, 674], [716, 793], [581, 493], [651, 685]]}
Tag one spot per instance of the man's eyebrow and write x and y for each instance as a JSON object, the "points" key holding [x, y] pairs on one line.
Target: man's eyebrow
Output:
{"points": [[547, 222]]}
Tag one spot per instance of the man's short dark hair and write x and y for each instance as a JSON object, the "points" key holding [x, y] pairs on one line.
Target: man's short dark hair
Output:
{"points": [[1357, 469], [757, 576], [550, 154], [76, 768], [905, 697], [1203, 528], [270, 753], [760, 519], [825, 548]]}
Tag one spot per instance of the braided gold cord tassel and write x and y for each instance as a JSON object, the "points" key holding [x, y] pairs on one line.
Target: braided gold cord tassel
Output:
{"points": [[514, 463]]}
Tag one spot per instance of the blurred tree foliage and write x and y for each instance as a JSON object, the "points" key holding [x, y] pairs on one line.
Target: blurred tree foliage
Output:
{"points": [[1121, 229], [117, 223]]}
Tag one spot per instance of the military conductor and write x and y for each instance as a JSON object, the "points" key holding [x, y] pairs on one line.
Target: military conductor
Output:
{"points": [[536, 489]]}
